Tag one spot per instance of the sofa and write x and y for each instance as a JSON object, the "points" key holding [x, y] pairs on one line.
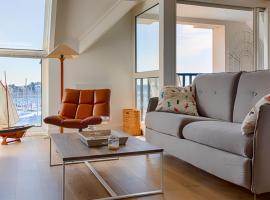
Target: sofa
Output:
{"points": [[213, 141]]}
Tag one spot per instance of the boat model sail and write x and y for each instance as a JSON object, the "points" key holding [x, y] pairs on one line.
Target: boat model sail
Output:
{"points": [[8, 114], [9, 117]]}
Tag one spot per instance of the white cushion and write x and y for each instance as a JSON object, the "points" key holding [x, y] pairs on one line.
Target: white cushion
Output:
{"points": [[178, 100], [249, 123]]}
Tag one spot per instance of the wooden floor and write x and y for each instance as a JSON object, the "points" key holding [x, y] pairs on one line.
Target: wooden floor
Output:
{"points": [[25, 175]]}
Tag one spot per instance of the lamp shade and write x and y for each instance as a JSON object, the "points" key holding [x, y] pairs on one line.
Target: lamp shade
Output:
{"points": [[63, 50]]}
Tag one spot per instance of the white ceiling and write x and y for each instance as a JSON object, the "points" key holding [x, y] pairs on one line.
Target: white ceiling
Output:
{"points": [[202, 12]]}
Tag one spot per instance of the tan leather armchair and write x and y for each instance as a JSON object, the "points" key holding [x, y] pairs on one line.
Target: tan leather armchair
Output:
{"points": [[81, 108]]}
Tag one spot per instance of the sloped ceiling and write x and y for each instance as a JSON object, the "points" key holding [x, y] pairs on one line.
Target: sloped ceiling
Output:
{"points": [[82, 22]]}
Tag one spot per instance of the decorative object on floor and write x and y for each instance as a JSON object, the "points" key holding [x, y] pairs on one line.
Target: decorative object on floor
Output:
{"points": [[178, 100], [250, 121], [15, 133], [63, 52], [81, 108], [132, 122], [101, 138], [9, 117]]}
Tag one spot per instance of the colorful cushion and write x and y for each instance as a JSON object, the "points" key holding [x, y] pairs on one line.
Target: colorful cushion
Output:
{"points": [[249, 123], [178, 100]]}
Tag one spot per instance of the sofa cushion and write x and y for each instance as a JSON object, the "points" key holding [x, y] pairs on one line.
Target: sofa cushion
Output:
{"points": [[251, 88], [215, 94], [225, 136], [170, 123], [178, 100], [250, 121]]}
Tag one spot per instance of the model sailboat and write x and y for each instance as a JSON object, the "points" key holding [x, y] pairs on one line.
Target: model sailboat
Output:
{"points": [[9, 117]]}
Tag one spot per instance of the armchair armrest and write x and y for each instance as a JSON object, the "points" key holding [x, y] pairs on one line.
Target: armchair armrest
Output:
{"points": [[261, 157], [152, 104]]}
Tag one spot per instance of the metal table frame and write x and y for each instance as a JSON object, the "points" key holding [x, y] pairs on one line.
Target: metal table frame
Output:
{"points": [[111, 192]]}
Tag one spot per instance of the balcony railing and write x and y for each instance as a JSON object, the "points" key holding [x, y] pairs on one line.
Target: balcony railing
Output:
{"points": [[186, 78]]}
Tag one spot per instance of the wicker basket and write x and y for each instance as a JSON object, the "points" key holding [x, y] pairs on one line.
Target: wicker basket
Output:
{"points": [[132, 122]]}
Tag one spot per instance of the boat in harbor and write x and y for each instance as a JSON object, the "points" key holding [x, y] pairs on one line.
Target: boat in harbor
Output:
{"points": [[9, 117]]}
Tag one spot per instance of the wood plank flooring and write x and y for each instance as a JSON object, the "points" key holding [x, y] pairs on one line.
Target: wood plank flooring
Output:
{"points": [[25, 175]]}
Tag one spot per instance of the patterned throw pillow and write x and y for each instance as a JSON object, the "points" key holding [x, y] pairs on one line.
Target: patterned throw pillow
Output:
{"points": [[178, 100], [249, 123]]}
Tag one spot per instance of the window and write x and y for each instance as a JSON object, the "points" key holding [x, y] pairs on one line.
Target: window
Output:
{"points": [[147, 40], [146, 75], [21, 38], [145, 89], [22, 24], [193, 42], [217, 39], [24, 81]]}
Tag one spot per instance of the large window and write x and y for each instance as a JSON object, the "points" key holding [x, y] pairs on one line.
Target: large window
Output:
{"points": [[21, 47], [215, 39], [147, 58]]}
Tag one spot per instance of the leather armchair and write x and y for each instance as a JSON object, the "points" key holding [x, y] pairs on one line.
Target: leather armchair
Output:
{"points": [[81, 108]]}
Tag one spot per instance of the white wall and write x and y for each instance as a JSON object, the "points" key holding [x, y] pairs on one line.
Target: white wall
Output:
{"points": [[108, 63]]}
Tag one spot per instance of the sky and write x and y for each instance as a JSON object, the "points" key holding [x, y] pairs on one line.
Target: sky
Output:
{"points": [[194, 48], [147, 47], [20, 70], [22, 27]]}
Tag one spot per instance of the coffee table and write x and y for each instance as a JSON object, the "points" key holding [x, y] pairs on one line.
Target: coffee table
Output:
{"points": [[71, 150]]}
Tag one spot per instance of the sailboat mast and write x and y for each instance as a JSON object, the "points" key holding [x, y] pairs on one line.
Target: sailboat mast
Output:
{"points": [[6, 88]]}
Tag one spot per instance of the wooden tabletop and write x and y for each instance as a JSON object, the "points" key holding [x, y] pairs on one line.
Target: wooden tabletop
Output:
{"points": [[71, 148]]}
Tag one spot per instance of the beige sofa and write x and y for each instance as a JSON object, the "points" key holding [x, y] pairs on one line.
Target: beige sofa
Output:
{"points": [[213, 141]]}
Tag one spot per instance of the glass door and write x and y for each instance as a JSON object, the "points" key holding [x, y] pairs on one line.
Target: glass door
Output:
{"points": [[213, 38]]}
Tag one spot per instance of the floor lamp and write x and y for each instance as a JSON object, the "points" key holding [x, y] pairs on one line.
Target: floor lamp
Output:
{"points": [[62, 52]]}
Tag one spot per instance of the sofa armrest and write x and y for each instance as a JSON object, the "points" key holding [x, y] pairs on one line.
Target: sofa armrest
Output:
{"points": [[152, 104], [261, 157]]}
